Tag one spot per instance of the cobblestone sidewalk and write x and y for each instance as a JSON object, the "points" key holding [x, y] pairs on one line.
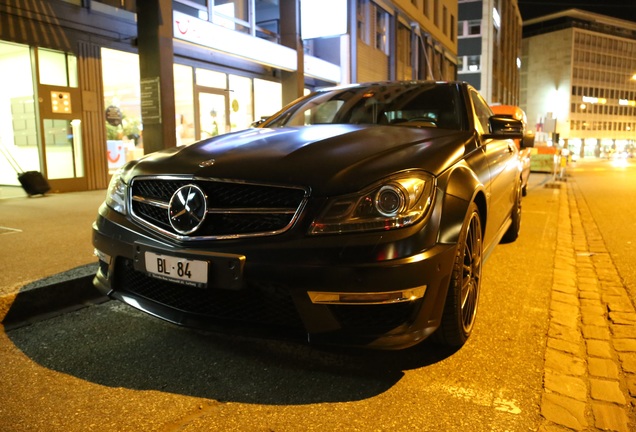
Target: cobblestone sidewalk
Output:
{"points": [[590, 360]]}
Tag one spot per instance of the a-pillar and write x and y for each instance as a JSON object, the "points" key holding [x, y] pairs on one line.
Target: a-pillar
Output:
{"points": [[156, 52]]}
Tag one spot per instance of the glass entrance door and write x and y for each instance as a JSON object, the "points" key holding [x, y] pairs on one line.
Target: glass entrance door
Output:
{"points": [[213, 113], [60, 109], [63, 147], [61, 131]]}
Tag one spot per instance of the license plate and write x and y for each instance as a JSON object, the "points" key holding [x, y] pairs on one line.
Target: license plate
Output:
{"points": [[175, 269]]}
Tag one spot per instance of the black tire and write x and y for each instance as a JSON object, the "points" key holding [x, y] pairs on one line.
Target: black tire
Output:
{"points": [[515, 219], [460, 309]]}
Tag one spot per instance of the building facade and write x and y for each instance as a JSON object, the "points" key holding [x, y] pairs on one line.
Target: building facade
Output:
{"points": [[94, 84], [489, 48], [578, 81]]}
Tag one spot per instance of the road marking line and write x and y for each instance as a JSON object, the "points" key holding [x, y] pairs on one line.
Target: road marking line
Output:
{"points": [[485, 399], [9, 230]]}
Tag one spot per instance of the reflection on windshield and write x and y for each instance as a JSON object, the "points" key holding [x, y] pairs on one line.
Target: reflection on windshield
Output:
{"points": [[404, 104]]}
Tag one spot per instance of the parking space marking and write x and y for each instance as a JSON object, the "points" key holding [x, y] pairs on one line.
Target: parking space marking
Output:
{"points": [[7, 230]]}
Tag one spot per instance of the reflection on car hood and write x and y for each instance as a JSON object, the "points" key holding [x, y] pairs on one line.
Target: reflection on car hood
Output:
{"points": [[328, 158]]}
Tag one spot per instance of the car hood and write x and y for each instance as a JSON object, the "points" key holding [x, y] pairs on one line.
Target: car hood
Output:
{"points": [[330, 159]]}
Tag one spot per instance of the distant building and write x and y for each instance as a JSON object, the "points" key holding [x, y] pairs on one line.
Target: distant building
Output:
{"points": [[578, 82], [489, 48], [404, 39]]}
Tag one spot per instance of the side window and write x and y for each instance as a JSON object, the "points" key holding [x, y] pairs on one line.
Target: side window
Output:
{"points": [[324, 113], [482, 111]]}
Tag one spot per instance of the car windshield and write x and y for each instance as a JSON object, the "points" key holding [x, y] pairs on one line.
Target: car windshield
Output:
{"points": [[405, 104]]}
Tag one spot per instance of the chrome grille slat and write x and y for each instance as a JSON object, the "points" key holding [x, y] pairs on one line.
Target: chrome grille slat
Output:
{"points": [[152, 202], [235, 209], [253, 211]]}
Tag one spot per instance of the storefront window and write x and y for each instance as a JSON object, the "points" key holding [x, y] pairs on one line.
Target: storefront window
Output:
{"points": [[208, 78], [184, 104], [241, 115], [18, 122], [122, 98], [267, 98]]}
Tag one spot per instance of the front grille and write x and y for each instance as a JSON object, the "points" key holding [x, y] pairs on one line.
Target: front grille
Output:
{"points": [[234, 209], [268, 305]]}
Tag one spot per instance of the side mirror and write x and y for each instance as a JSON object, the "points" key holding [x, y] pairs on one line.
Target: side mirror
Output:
{"points": [[528, 140], [504, 128], [259, 122]]}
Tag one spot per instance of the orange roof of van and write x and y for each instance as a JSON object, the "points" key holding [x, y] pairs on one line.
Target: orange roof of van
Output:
{"points": [[511, 110]]}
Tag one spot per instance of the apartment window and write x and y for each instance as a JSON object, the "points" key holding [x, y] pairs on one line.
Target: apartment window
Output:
{"points": [[436, 13], [474, 27], [404, 44], [473, 63], [452, 27], [467, 64], [363, 21], [382, 30], [425, 8], [445, 21]]}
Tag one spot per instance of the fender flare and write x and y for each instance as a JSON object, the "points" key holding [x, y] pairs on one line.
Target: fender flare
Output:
{"points": [[460, 187]]}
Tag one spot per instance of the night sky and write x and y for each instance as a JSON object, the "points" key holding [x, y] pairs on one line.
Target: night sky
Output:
{"points": [[624, 9]]}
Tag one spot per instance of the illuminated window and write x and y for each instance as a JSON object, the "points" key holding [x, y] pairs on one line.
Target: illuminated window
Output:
{"points": [[267, 98], [241, 112], [496, 18], [474, 63], [18, 120], [122, 100], [208, 78], [57, 68], [184, 104]]}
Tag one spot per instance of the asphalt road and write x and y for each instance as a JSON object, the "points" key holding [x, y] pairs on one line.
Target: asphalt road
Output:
{"points": [[109, 368]]}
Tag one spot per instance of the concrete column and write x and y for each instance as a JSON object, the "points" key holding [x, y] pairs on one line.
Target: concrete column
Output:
{"points": [[154, 29], [293, 82]]}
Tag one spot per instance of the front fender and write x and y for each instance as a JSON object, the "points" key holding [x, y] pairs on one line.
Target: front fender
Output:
{"points": [[460, 187]]}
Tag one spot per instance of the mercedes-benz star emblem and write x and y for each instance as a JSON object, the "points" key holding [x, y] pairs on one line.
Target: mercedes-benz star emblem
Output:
{"points": [[187, 209]]}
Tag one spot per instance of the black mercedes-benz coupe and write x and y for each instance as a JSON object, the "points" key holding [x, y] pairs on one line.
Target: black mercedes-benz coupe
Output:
{"points": [[358, 215]]}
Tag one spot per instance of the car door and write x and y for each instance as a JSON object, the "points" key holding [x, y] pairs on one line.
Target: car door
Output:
{"points": [[501, 157]]}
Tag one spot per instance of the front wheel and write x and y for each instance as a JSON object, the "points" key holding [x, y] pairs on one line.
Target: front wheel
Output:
{"points": [[460, 308]]}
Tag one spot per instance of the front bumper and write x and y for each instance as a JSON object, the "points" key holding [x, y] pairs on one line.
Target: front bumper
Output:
{"points": [[314, 290]]}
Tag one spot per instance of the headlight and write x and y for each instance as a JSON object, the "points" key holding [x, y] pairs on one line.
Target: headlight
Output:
{"points": [[116, 195], [394, 203]]}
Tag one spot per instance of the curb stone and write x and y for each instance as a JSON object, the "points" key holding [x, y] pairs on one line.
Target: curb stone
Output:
{"points": [[69, 289]]}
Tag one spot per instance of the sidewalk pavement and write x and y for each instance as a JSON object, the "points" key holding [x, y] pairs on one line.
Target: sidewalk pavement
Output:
{"points": [[46, 255], [590, 357]]}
